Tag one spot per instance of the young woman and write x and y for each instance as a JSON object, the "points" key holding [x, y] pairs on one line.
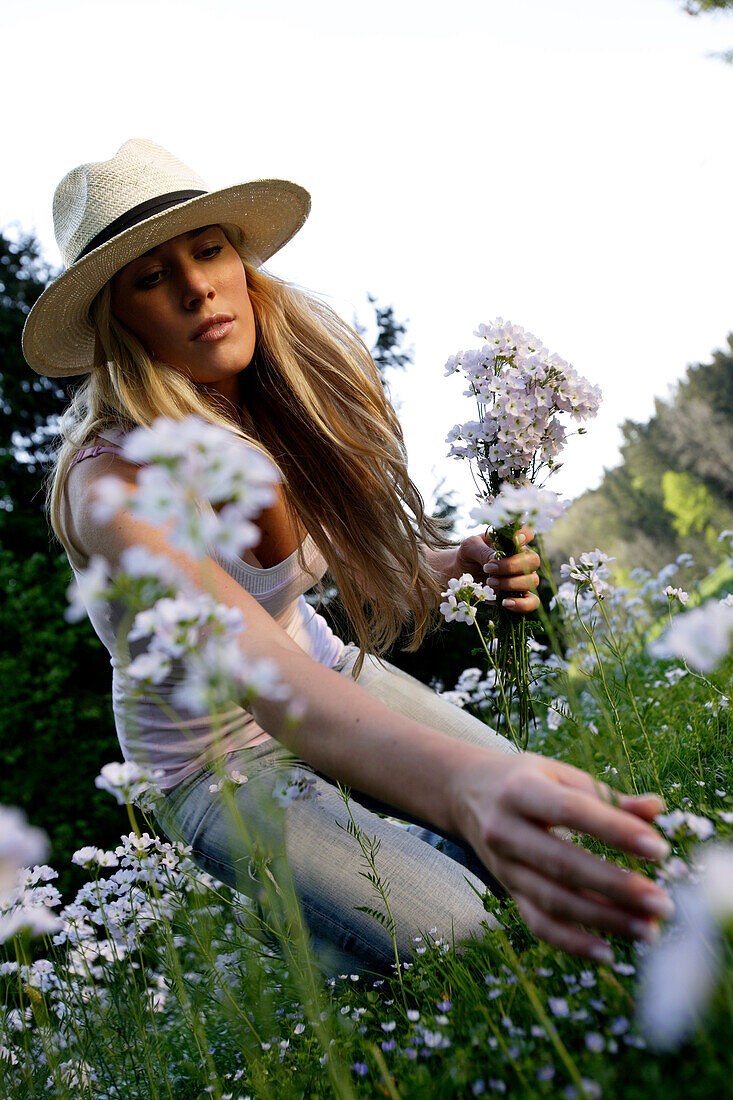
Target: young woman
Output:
{"points": [[164, 305]]}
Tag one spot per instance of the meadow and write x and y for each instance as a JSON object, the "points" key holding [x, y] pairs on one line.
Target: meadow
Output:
{"points": [[157, 982]]}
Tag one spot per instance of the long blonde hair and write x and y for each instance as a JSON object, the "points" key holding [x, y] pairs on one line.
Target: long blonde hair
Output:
{"points": [[315, 403]]}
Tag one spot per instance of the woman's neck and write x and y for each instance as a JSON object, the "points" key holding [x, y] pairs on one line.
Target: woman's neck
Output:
{"points": [[226, 398]]}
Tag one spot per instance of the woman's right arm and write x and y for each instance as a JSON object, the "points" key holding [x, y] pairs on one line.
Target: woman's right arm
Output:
{"points": [[501, 804]]}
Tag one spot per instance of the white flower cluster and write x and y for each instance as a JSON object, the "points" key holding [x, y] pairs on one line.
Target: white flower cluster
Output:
{"points": [[589, 571], [192, 462], [143, 578], [461, 596], [474, 687], [296, 786], [520, 504], [702, 637], [201, 633], [21, 845], [521, 391], [129, 783], [681, 824], [676, 594], [679, 975]]}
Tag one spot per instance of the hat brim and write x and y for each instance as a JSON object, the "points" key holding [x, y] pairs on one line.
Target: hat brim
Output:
{"points": [[58, 337]]}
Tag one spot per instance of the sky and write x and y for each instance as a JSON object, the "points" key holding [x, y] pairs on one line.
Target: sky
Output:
{"points": [[564, 164]]}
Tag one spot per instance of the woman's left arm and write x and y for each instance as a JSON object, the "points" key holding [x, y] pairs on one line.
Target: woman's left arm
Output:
{"points": [[515, 574]]}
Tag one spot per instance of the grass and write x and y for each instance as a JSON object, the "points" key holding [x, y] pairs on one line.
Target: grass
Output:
{"points": [[153, 990]]}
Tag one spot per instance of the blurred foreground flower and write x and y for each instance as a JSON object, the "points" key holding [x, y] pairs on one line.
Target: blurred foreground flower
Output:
{"points": [[679, 976], [21, 845], [702, 637], [189, 464]]}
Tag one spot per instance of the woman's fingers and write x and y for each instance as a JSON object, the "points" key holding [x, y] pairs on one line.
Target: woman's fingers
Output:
{"points": [[574, 940], [541, 798], [555, 900], [572, 867], [519, 565], [521, 583], [646, 806], [523, 604], [516, 576]]}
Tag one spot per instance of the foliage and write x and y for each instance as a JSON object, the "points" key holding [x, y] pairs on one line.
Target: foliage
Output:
{"points": [[29, 404], [189, 1005], [635, 513], [697, 7], [690, 503], [56, 725]]}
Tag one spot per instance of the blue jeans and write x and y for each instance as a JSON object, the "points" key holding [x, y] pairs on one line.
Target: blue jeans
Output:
{"points": [[430, 877]]}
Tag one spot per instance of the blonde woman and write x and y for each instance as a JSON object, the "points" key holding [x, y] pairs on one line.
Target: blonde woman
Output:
{"points": [[165, 308]]}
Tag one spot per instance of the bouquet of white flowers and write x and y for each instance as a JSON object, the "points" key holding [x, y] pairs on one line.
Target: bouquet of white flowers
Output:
{"points": [[521, 391]]}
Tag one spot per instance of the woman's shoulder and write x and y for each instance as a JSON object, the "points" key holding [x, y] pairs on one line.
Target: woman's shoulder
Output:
{"points": [[100, 456]]}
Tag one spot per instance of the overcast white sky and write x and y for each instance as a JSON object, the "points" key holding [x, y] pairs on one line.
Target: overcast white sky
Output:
{"points": [[565, 164]]}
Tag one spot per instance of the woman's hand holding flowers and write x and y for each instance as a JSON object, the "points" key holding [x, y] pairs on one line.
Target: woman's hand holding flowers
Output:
{"points": [[514, 576]]}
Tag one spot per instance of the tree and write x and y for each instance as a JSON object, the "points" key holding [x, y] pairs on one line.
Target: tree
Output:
{"points": [[675, 469], [697, 7], [29, 404]]}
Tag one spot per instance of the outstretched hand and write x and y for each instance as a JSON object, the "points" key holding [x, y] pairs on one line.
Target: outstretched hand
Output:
{"points": [[515, 575], [506, 810]]}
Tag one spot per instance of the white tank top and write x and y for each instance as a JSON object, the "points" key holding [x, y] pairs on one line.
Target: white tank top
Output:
{"points": [[150, 737]]}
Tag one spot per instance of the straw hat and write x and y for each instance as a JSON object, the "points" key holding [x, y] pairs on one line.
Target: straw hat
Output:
{"points": [[109, 212]]}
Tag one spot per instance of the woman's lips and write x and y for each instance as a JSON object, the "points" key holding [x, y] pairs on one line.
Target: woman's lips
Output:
{"points": [[216, 332]]}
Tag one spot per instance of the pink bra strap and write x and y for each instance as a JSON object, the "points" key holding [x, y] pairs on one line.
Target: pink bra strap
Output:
{"points": [[92, 452]]}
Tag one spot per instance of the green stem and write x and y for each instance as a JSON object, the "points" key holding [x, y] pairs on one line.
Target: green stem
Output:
{"points": [[499, 679], [607, 691], [627, 681]]}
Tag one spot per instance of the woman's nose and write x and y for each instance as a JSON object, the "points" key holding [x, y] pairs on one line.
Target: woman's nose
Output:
{"points": [[196, 286]]}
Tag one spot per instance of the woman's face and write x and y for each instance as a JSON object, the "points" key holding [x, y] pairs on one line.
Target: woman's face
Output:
{"points": [[186, 301]]}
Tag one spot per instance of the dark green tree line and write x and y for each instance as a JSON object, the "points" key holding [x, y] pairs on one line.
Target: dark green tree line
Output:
{"points": [[673, 490]]}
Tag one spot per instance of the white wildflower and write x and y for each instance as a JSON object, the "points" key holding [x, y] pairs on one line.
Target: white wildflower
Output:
{"points": [[21, 845], [297, 785], [88, 590], [190, 462], [149, 668], [701, 637], [461, 596], [34, 919], [680, 823], [680, 973], [127, 781], [676, 594], [538, 508]]}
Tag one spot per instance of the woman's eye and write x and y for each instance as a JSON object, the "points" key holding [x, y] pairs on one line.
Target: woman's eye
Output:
{"points": [[149, 280], [211, 251]]}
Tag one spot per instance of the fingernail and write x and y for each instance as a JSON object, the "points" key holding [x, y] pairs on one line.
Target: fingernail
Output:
{"points": [[491, 567], [493, 582], [645, 930], [652, 847], [659, 905], [602, 953], [519, 540], [509, 603]]}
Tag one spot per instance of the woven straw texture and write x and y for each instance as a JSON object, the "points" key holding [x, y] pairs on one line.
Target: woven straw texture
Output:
{"points": [[58, 338]]}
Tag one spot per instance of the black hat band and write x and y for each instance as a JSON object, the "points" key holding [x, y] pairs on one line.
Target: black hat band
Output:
{"points": [[136, 215]]}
